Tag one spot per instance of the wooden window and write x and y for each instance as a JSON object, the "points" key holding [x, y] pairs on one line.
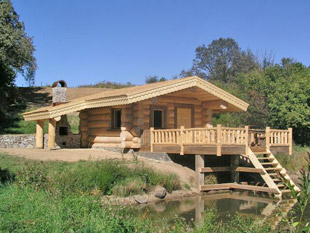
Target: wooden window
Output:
{"points": [[116, 118], [158, 118]]}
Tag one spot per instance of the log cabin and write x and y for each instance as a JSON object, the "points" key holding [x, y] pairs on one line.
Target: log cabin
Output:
{"points": [[174, 117]]}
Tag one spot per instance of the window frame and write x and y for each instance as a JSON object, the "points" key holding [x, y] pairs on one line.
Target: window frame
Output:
{"points": [[163, 109], [114, 118]]}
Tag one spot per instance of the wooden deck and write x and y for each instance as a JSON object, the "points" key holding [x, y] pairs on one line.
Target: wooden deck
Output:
{"points": [[217, 140]]}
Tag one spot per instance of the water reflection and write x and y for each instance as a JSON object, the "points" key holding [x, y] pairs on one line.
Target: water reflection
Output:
{"points": [[244, 203]]}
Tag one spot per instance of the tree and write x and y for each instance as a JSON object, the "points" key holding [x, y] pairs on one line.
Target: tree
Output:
{"points": [[289, 99], [16, 47], [154, 79], [222, 60], [16, 56]]}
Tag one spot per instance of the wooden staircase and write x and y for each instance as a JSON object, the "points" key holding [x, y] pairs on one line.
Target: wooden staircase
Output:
{"points": [[274, 175]]}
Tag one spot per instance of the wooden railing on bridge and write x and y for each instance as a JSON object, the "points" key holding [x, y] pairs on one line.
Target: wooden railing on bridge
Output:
{"points": [[220, 136]]}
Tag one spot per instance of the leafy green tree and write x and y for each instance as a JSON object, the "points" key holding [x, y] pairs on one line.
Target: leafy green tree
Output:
{"points": [[222, 60], [289, 99], [16, 56], [154, 79]]}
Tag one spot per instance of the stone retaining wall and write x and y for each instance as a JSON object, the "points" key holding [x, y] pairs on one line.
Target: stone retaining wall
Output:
{"points": [[29, 141]]}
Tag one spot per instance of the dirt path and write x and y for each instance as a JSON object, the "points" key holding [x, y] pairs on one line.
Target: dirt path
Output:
{"points": [[73, 155]]}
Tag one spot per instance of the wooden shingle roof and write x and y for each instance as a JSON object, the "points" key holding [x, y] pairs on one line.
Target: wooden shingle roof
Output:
{"points": [[134, 94]]}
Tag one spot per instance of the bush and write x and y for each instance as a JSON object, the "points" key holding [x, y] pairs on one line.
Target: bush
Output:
{"points": [[62, 178]]}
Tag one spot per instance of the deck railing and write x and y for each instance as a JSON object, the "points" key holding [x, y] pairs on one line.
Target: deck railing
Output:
{"points": [[221, 136]]}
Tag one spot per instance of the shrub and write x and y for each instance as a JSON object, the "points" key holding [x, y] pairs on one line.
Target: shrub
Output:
{"points": [[62, 178]]}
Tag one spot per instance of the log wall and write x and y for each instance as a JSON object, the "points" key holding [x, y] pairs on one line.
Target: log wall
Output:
{"points": [[96, 124]]}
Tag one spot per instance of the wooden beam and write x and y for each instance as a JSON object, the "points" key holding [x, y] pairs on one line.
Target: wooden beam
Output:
{"points": [[200, 177], [253, 188], [219, 140], [234, 163], [215, 169], [250, 170], [209, 116], [51, 133], [215, 104], [267, 138], [39, 135], [237, 186], [290, 140], [210, 187]]}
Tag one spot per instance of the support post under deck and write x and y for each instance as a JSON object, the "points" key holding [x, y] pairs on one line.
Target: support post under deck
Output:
{"points": [[234, 163], [200, 177]]}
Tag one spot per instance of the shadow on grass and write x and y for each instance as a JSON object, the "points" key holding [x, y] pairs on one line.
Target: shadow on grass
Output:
{"points": [[6, 176]]}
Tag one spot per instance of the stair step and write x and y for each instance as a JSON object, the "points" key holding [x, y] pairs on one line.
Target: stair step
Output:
{"points": [[273, 169], [262, 158], [273, 174], [280, 185], [286, 191], [267, 163], [276, 180], [261, 153]]}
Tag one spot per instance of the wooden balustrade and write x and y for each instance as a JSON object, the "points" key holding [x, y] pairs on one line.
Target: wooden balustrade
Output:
{"points": [[202, 136], [221, 136]]}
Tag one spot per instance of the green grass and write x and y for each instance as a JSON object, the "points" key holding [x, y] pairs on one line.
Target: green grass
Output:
{"points": [[58, 197], [296, 161], [62, 178], [24, 209]]}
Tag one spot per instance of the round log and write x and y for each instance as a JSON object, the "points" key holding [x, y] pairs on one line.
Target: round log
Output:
{"points": [[130, 144], [99, 124], [101, 117], [84, 136], [170, 114], [127, 126], [99, 111], [83, 128], [136, 140], [103, 132], [84, 143], [198, 109], [127, 118], [135, 131], [83, 122], [103, 139], [83, 115], [146, 119], [170, 121], [102, 145], [126, 136]]}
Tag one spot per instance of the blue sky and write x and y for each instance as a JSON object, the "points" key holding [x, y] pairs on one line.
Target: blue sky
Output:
{"points": [[85, 42]]}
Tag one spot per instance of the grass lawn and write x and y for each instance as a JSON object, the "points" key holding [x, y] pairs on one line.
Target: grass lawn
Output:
{"points": [[59, 197], [296, 161]]}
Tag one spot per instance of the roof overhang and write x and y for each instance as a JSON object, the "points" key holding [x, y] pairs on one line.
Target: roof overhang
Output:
{"points": [[150, 91]]}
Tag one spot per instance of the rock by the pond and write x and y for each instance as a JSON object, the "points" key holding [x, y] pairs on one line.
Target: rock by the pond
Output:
{"points": [[141, 199], [160, 192]]}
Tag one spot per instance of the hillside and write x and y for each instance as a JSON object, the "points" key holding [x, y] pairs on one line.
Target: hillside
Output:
{"points": [[30, 98], [37, 96]]}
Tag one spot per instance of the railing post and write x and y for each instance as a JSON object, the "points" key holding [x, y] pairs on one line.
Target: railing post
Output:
{"points": [[151, 138], [219, 140], [267, 138], [290, 140], [247, 140], [182, 140]]}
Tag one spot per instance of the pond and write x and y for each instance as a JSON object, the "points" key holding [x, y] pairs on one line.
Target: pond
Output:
{"points": [[263, 207]]}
